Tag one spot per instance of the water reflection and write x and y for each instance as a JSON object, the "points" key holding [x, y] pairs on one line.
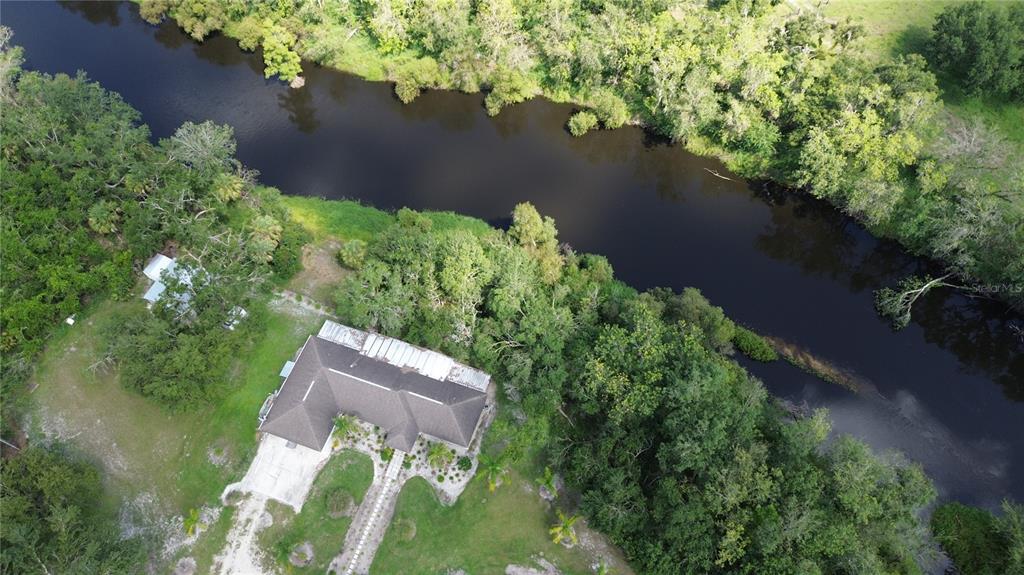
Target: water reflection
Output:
{"points": [[96, 12], [981, 333], [298, 103]]}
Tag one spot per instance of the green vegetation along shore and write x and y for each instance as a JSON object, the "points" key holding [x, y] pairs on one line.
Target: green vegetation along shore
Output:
{"points": [[666, 444], [777, 90]]}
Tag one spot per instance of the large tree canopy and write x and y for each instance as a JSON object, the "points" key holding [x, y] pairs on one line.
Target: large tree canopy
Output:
{"points": [[981, 47], [679, 455]]}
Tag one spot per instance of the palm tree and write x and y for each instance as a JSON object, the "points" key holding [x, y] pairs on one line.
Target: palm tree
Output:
{"points": [[563, 530], [492, 469], [344, 425], [547, 481], [439, 456], [192, 523]]}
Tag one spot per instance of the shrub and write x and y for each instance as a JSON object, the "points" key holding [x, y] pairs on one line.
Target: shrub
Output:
{"points": [[609, 108], [352, 254], [386, 454], [411, 77], [339, 503], [692, 307], [970, 537], [465, 463], [249, 33], [753, 345], [581, 122]]}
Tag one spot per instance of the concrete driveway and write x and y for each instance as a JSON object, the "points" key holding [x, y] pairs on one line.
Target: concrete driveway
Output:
{"points": [[281, 472]]}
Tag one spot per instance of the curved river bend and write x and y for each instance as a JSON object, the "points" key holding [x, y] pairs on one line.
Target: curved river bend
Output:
{"points": [[948, 390]]}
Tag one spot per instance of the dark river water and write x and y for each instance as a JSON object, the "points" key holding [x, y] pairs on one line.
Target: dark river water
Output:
{"points": [[948, 391]]}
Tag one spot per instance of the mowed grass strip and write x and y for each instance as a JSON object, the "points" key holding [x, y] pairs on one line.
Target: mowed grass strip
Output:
{"points": [[325, 517], [350, 220], [482, 533]]}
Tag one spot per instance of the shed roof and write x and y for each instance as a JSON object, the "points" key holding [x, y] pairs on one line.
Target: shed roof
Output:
{"points": [[156, 265]]}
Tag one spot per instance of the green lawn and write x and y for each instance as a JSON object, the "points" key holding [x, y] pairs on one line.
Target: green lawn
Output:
{"points": [[348, 220], [891, 27], [324, 520], [482, 533], [896, 27]]}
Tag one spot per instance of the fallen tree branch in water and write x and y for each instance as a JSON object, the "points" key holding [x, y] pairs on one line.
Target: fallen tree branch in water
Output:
{"points": [[717, 175]]}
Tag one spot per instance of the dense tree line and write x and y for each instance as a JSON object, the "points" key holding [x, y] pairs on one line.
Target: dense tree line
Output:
{"points": [[87, 199], [679, 455], [54, 520], [788, 97]]}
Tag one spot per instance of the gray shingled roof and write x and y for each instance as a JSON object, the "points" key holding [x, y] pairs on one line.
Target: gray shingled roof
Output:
{"points": [[329, 378]]}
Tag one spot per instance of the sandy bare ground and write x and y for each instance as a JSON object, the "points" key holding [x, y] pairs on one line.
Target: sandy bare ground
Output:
{"points": [[320, 273], [241, 555]]}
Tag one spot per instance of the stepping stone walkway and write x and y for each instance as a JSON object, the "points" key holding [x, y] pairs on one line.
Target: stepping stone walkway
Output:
{"points": [[370, 522]]}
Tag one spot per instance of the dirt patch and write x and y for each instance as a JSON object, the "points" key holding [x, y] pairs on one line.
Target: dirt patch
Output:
{"points": [[241, 555], [302, 555], [544, 567], [601, 550], [320, 273], [185, 566], [218, 454]]}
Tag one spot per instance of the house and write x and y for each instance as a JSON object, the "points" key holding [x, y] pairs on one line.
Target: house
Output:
{"points": [[160, 267], [404, 390]]}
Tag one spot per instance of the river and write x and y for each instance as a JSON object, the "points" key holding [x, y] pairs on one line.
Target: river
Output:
{"points": [[948, 391]]}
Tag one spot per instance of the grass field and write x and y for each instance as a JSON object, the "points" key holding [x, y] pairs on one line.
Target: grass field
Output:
{"points": [[347, 220], [482, 533], [175, 461], [340, 486], [895, 27]]}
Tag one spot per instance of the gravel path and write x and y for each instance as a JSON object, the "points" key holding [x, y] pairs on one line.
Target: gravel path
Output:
{"points": [[370, 521]]}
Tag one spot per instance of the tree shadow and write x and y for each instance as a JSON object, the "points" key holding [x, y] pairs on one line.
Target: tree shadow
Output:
{"points": [[912, 40], [96, 12]]}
